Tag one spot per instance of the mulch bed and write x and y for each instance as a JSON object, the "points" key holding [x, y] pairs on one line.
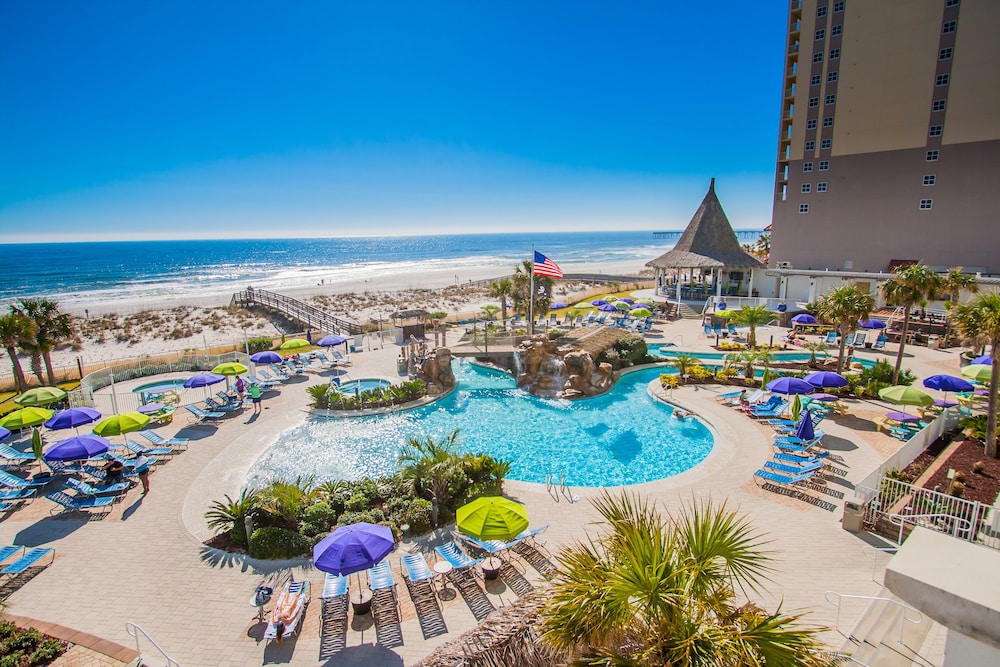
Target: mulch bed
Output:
{"points": [[222, 541], [981, 487]]}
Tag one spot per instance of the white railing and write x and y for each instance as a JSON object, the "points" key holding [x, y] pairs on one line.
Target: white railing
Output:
{"points": [[872, 553], [959, 527], [913, 447], [737, 302], [135, 631], [872, 598]]}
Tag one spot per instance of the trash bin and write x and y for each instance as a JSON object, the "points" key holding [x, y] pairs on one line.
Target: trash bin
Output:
{"points": [[400, 365], [854, 519]]}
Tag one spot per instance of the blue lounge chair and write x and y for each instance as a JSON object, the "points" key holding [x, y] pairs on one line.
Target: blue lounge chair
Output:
{"points": [[793, 469], [416, 568], [334, 585], [458, 559], [17, 494], [91, 490], [11, 455], [202, 415], [7, 552], [29, 559], [15, 482], [776, 410], [805, 447], [786, 480], [158, 440], [75, 504], [849, 340], [136, 448], [380, 577], [278, 376], [880, 343], [792, 440], [831, 337], [772, 402], [528, 534], [215, 406], [341, 359], [802, 460], [728, 396], [860, 339], [490, 547]]}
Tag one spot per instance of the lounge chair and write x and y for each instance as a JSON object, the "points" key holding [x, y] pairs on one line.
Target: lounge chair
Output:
{"points": [[289, 608], [831, 337], [15, 482], [90, 490], [860, 339], [805, 447], [528, 534], [11, 455], [158, 440], [802, 460], [848, 340], [880, 343], [334, 585], [458, 559], [29, 559], [728, 396], [341, 359], [17, 494], [202, 415], [77, 504], [793, 469], [416, 568], [817, 436], [8, 551], [786, 480], [490, 547], [215, 406], [279, 375], [380, 577], [136, 448], [419, 579]]}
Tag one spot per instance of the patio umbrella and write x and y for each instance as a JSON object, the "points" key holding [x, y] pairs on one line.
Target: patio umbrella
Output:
{"points": [[805, 430], [948, 383], [984, 360], [122, 424], [331, 340], [789, 385], [641, 312], [40, 396], [36, 442], [826, 380], [150, 408], [598, 302], [77, 448], [902, 417], [977, 372], [230, 368], [266, 357], [623, 305], [203, 380], [309, 337], [826, 398], [25, 417], [492, 518], [294, 344], [905, 395], [871, 324], [353, 548], [557, 305], [72, 418], [607, 308], [627, 299], [804, 318], [4, 433]]}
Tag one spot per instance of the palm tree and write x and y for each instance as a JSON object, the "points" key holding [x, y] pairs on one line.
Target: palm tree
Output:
{"points": [[15, 328], [980, 320], [953, 283], [843, 307], [433, 469], [231, 515], [684, 363], [502, 289], [521, 286], [909, 286], [285, 501], [437, 317], [662, 590], [753, 317], [52, 328], [491, 311]]}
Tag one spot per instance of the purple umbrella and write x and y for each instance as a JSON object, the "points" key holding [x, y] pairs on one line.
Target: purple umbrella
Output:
{"points": [[353, 548], [598, 302], [985, 360], [77, 448], [826, 380], [266, 357], [557, 305], [826, 398], [902, 417], [4, 433], [948, 383], [804, 318], [640, 304], [72, 418], [789, 385], [331, 340], [871, 324], [203, 380], [627, 299], [309, 336], [607, 307], [150, 408], [805, 430]]}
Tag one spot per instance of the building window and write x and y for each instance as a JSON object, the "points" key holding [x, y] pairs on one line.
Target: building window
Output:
{"points": [[926, 204], [816, 79], [828, 121], [821, 12], [948, 27], [831, 77], [811, 124], [821, 186], [803, 208], [942, 80], [830, 99], [932, 156], [930, 179], [946, 54], [938, 105], [807, 167], [813, 102], [826, 144], [936, 130], [806, 188], [834, 54], [818, 57], [836, 31], [838, 6], [810, 145], [821, 34], [824, 165], [951, 3]]}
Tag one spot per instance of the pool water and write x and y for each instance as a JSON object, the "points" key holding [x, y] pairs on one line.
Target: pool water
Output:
{"points": [[160, 387], [363, 384], [622, 437]]}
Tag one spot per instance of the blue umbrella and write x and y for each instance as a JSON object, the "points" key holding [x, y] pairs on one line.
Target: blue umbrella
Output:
{"points": [[4, 433], [985, 360], [871, 324], [826, 380], [627, 299], [598, 302], [640, 304], [607, 307], [330, 341], [353, 548], [789, 385], [804, 318], [309, 336], [72, 418], [77, 448], [266, 357], [203, 380], [948, 383], [805, 430], [557, 305]]}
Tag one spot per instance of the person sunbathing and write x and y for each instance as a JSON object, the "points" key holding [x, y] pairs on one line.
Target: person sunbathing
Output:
{"points": [[286, 610]]}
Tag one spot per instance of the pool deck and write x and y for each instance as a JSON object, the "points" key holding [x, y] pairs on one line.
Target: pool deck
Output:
{"points": [[145, 561]]}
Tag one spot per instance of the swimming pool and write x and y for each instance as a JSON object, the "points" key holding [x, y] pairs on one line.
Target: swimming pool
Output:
{"points": [[622, 437], [363, 384], [160, 387]]}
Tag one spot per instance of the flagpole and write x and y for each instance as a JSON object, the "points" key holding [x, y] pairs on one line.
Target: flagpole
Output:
{"points": [[531, 295]]}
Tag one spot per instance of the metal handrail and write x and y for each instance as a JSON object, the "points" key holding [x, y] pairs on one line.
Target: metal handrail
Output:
{"points": [[295, 309], [134, 630], [873, 598], [954, 531], [872, 553]]}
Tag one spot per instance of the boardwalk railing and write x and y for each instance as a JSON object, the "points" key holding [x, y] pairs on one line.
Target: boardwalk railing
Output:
{"points": [[293, 309]]}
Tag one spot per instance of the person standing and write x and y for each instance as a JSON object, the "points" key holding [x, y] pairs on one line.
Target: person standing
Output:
{"points": [[240, 387], [141, 466], [255, 397]]}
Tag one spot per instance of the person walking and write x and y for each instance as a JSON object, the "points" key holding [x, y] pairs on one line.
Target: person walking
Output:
{"points": [[240, 387], [141, 466], [255, 397]]}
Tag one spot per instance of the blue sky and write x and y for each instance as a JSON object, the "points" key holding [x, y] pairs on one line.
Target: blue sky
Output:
{"points": [[211, 119]]}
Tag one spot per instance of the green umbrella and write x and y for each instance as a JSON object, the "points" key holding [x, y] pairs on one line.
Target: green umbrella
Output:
{"points": [[642, 312], [25, 417], [230, 368], [40, 396], [796, 407], [492, 518], [36, 442], [121, 424], [294, 344], [905, 395], [978, 372]]}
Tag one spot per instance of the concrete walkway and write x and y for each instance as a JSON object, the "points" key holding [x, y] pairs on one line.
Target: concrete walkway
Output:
{"points": [[145, 562]]}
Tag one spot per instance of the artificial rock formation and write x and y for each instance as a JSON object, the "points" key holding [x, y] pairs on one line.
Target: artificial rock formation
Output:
{"points": [[550, 371], [435, 370]]}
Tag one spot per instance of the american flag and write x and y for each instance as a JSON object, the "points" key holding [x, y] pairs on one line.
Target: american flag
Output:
{"points": [[546, 267]]}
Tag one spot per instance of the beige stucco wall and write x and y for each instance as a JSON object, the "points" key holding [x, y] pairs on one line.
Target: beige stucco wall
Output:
{"points": [[973, 112]]}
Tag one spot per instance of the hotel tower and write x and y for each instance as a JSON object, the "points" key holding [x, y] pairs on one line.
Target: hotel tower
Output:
{"points": [[889, 144]]}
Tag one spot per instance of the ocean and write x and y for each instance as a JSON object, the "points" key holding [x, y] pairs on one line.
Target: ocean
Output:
{"points": [[80, 274]]}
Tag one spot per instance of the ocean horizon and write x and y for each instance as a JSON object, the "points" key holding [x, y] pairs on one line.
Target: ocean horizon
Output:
{"points": [[101, 272]]}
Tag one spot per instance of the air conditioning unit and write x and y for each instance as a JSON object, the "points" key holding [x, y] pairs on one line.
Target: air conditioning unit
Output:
{"points": [[784, 265]]}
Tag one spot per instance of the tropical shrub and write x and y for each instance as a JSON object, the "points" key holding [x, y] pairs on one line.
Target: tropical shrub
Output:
{"points": [[230, 515], [259, 344], [631, 348], [699, 374], [321, 395], [418, 516], [669, 380], [273, 542]]}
